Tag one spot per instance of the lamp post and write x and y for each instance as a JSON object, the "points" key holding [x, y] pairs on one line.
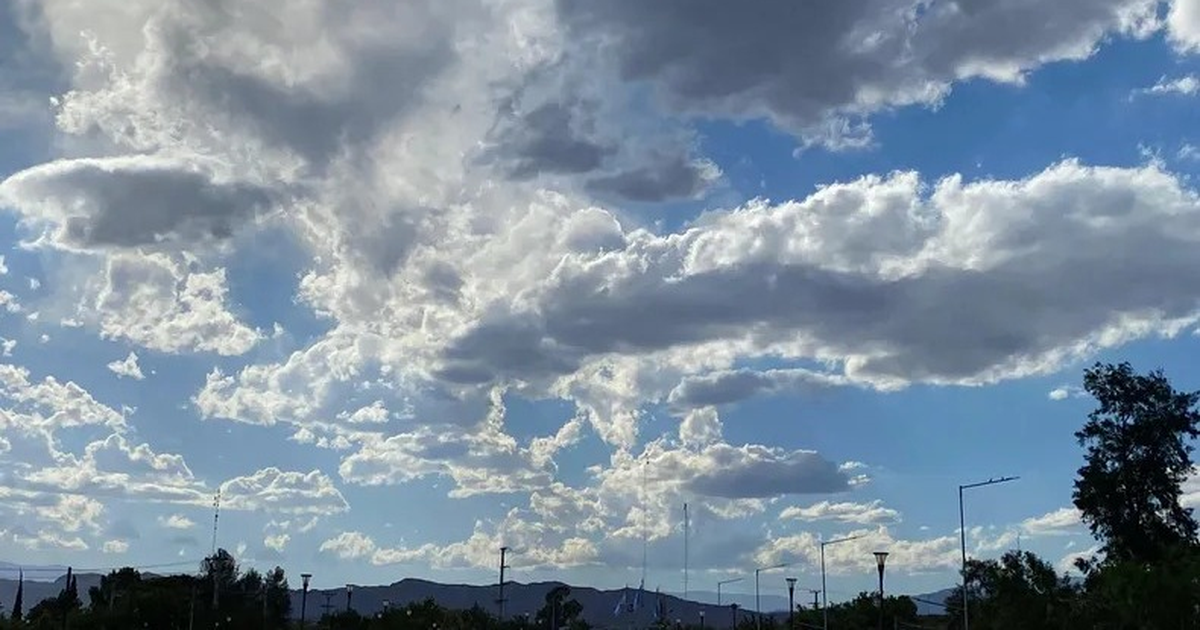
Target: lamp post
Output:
{"points": [[304, 578], [349, 595], [701, 620], [724, 582], [824, 589], [962, 533], [733, 608], [880, 560], [791, 582], [757, 602]]}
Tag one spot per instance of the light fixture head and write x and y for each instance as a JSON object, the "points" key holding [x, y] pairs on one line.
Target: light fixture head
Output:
{"points": [[791, 582], [305, 577], [880, 558]]}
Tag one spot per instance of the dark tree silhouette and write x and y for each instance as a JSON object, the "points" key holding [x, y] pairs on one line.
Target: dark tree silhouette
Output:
{"points": [[1137, 457]]}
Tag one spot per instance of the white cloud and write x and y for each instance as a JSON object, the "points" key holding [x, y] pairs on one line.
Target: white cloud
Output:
{"points": [[127, 367], [3, 267], [278, 542], [176, 521], [73, 513], [1183, 21], [860, 513], [908, 556], [1187, 85], [1066, 391], [115, 546], [1061, 521], [7, 346], [273, 490], [158, 303]]}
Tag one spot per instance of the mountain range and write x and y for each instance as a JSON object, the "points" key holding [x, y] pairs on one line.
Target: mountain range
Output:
{"points": [[602, 608]]}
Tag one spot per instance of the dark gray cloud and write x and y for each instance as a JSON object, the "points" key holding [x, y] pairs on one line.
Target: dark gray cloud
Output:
{"points": [[798, 62], [383, 79], [658, 179], [552, 138], [740, 477], [722, 388], [132, 201]]}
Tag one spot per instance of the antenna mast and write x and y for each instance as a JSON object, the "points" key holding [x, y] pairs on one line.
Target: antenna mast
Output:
{"points": [[686, 533], [645, 520], [216, 519]]}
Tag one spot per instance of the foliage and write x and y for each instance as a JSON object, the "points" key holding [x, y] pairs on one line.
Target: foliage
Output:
{"points": [[862, 612], [1137, 456]]}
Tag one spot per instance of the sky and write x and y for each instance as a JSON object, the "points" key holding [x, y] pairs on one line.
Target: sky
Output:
{"points": [[410, 281]]}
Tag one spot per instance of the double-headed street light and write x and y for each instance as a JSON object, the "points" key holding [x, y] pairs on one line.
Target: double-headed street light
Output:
{"points": [[824, 589], [880, 560], [757, 602], [962, 532]]}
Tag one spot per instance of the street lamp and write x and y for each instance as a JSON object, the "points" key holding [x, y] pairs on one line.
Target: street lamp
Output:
{"points": [[349, 594], [824, 589], [880, 560], [962, 533], [724, 582], [701, 620], [734, 607], [304, 578], [757, 602], [791, 582]]}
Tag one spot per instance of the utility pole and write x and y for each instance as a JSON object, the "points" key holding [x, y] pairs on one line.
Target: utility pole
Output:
{"points": [[503, 565]]}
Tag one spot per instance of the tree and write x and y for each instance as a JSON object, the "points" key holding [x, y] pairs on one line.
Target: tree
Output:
{"points": [[1020, 590], [1137, 457], [559, 611]]}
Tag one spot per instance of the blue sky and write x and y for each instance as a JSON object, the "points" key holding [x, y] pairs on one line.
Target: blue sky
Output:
{"points": [[410, 282]]}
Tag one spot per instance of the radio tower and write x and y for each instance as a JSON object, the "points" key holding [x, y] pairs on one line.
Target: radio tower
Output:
{"points": [[216, 518], [686, 532]]}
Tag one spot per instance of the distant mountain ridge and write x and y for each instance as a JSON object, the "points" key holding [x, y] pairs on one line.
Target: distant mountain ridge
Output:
{"points": [[599, 605]]}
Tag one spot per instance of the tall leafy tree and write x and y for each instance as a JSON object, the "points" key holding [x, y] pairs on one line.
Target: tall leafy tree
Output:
{"points": [[1137, 457], [1020, 590]]}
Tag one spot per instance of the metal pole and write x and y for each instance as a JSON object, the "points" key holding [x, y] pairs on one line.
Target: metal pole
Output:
{"points": [[962, 534], [305, 577], [757, 603], [881, 600], [349, 595], [791, 582], [824, 590]]}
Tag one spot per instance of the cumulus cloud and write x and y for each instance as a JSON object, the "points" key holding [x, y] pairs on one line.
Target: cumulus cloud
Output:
{"points": [[1187, 85], [159, 303], [874, 274], [132, 201], [127, 367], [793, 63], [176, 521], [910, 556], [115, 546], [725, 387], [273, 490], [1062, 520], [1183, 20], [859, 513]]}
